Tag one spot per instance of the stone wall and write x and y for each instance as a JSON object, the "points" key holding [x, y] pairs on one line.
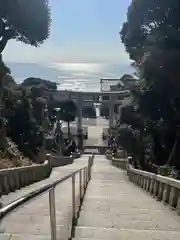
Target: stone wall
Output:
{"points": [[16, 178], [58, 161], [120, 163], [12, 179], [162, 188], [120, 160]]}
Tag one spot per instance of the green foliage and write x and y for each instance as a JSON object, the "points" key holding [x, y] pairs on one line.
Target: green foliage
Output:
{"points": [[151, 37], [149, 23], [38, 82], [68, 111], [25, 21], [23, 108], [126, 138], [41, 94], [38, 109]]}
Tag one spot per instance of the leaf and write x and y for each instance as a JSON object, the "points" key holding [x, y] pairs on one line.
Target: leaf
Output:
{"points": [[26, 21]]}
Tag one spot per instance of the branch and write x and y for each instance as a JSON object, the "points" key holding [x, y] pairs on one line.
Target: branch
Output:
{"points": [[2, 27], [3, 44], [6, 36]]}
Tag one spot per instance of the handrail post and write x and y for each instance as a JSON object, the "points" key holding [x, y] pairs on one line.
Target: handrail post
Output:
{"points": [[89, 164], [80, 185], [73, 199], [52, 209], [86, 176], [84, 173], [50, 188]]}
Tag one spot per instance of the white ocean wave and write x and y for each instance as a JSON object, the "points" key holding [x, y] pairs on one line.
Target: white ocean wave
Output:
{"points": [[70, 76]]}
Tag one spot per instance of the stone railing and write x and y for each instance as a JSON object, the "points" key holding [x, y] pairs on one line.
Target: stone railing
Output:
{"points": [[58, 161], [109, 156], [120, 160], [120, 163], [76, 155], [16, 178], [162, 188], [12, 179]]}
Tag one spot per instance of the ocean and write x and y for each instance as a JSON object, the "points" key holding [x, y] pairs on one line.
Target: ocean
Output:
{"points": [[70, 76]]}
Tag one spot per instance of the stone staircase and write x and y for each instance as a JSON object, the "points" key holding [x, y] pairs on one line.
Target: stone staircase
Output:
{"points": [[31, 221], [57, 173], [114, 209]]}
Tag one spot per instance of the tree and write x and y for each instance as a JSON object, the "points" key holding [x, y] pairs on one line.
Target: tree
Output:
{"points": [[25, 21], [129, 82], [127, 139], [151, 37], [38, 82], [4, 70], [68, 112]]}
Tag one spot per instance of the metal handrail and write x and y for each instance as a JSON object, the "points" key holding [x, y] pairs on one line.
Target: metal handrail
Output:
{"points": [[84, 177]]}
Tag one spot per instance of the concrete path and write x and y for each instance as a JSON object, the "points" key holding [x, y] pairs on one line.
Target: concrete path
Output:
{"points": [[94, 136], [31, 222], [95, 133], [115, 209]]}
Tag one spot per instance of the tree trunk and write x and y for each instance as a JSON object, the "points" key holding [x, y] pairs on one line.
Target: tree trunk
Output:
{"points": [[3, 44], [6, 34], [141, 155], [158, 151], [176, 161], [1, 99], [169, 143], [173, 153], [68, 129]]}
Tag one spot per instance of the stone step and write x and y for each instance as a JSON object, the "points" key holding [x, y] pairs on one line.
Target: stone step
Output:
{"points": [[85, 238], [92, 204], [34, 218], [108, 219], [36, 230], [114, 209], [85, 233], [24, 236]]}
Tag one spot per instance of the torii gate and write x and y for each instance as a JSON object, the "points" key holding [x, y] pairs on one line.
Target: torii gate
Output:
{"points": [[80, 96]]}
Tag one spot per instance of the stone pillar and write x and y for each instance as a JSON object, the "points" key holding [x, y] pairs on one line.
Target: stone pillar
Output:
{"points": [[111, 110]]}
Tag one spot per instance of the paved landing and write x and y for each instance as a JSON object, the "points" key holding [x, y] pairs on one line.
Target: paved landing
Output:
{"points": [[94, 136], [115, 208], [32, 222], [95, 133]]}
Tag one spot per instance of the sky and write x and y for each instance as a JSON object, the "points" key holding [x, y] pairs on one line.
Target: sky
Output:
{"points": [[82, 31]]}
